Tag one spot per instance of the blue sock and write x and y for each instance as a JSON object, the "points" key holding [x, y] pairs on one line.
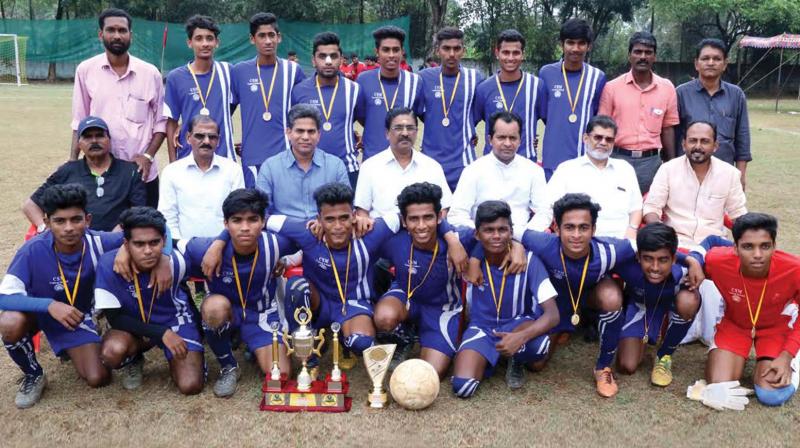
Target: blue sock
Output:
{"points": [[24, 356], [357, 343], [220, 342], [609, 324], [676, 331], [464, 387]]}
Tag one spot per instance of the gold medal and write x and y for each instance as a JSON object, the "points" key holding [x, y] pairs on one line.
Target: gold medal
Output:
{"points": [[576, 319], [498, 303], [644, 339], [575, 302], [652, 315], [410, 291], [573, 118], [266, 116], [327, 111], [753, 333], [445, 122], [327, 126], [203, 98], [572, 104], [342, 292], [445, 107], [243, 297], [205, 111], [267, 98]]}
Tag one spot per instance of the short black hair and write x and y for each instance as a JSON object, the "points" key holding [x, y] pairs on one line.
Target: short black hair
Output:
{"points": [[333, 193], [199, 21], [754, 221], [449, 32], [291, 53], [263, 18], [388, 32], [140, 217], [325, 38], [713, 43], [506, 117], [396, 112], [602, 121], [490, 211], [575, 201], [577, 29], [642, 38], [420, 193], [61, 196], [656, 236], [245, 200], [201, 119], [114, 12], [299, 111], [510, 35], [708, 123]]}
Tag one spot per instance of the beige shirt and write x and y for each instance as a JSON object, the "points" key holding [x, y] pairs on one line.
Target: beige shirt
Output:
{"points": [[696, 210]]}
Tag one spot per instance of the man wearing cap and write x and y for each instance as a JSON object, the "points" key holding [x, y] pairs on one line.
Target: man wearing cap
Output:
{"points": [[113, 185]]}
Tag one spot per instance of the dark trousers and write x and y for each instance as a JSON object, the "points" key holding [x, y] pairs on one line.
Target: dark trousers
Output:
{"points": [[151, 192]]}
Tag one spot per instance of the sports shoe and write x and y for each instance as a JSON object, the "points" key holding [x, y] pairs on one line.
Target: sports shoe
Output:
{"points": [[30, 390], [227, 381], [132, 374], [606, 385], [515, 374], [662, 371], [400, 354]]}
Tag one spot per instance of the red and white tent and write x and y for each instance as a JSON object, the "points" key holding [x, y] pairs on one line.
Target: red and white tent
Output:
{"points": [[781, 42]]}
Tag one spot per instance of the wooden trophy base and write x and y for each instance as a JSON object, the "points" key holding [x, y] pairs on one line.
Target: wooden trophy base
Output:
{"points": [[321, 397]]}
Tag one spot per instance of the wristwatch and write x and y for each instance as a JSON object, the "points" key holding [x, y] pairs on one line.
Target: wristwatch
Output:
{"points": [[148, 157], [41, 228]]}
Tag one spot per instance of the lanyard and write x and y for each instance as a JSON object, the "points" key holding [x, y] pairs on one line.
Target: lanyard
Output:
{"points": [[572, 118], [139, 299], [516, 94], [445, 107], [655, 308], [498, 304], [327, 112], [203, 98], [383, 92], [74, 295], [267, 98], [410, 292], [243, 298], [754, 319], [342, 292], [575, 302]]}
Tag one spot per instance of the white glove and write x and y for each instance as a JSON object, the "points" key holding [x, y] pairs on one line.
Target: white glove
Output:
{"points": [[720, 396]]}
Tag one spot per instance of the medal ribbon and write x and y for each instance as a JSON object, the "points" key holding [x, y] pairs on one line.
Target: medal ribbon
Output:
{"points": [[658, 300], [383, 92], [572, 104], [139, 299], [342, 292], [74, 295], [498, 304], [410, 292], [327, 112], [243, 298], [267, 98], [754, 319], [572, 299], [503, 97], [197, 84], [445, 107]]}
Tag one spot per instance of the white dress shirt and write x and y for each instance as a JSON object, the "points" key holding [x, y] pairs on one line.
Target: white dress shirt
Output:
{"points": [[382, 178], [191, 200], [520, 183], [614, 188]]}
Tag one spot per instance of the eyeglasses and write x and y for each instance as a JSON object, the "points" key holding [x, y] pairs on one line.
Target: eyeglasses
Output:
{"points": [[100, 182], [201, 137], [401, 128], [599, 138]]}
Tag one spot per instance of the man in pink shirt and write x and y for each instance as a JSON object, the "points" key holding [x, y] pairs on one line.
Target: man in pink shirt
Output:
{"points": [[127, 93], [645, 107]]}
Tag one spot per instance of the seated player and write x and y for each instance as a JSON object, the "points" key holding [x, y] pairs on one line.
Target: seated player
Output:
{"points": [[425, 291], [761, 288], [242, 297], [653, 287], [141, 318], [510, 315]]}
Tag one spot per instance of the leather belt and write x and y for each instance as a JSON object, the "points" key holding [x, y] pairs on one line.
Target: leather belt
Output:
{"points": [[635, 154]]}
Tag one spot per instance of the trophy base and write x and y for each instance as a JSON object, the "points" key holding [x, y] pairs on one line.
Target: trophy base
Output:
{"points": [[378, 400], [335, 386], [271, 385], [321, 398]]}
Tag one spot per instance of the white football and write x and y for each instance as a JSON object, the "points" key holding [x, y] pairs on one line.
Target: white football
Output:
{"points": [[414, 384]]}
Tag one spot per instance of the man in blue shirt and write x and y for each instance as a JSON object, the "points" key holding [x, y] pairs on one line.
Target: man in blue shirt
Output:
{"points": [[201, 87], [572, 96], [448, 94], [263, 88], [510, 314]]}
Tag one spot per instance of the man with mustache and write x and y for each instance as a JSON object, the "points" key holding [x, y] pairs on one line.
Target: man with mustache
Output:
{"points": [[113, 184], [128, 94], [645, 107]]}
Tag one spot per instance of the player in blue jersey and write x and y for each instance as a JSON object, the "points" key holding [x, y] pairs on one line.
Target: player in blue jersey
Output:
{"points": [[338, 99], [448, 94], [242, 297], [202, 87], [425, 291], [141, 317], [511, 90], [572, 96], [386, 88], [510, 314], [263, 88], [654, 289]]}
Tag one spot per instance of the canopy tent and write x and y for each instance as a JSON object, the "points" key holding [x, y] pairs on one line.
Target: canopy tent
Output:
{"points": [[782, 42]]}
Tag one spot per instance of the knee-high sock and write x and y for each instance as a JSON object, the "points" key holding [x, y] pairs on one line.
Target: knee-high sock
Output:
{"points": [[219, 339], [675, 333], [22, 353], [609, 326]]}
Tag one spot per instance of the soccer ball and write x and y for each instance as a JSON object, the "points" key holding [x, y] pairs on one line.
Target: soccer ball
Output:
{"points": [[414, 384]]}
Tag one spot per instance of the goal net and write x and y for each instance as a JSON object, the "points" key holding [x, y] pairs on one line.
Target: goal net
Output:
{"points": [[12, 59]]}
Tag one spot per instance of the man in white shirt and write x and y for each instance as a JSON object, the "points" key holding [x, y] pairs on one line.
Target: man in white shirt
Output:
{"points": [[609, 182], [193, 188], [501, 175], [384, 175]]}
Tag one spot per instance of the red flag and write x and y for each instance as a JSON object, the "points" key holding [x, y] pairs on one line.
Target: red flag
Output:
{"points": [[164, 40]]}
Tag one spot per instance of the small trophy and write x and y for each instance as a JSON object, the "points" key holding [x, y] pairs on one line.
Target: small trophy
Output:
{"points": [[377, 359], [303, 345], [334, 380], [275, 381]]}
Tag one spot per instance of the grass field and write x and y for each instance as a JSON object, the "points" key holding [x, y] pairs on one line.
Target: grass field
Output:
{"points": [[556, 407]]}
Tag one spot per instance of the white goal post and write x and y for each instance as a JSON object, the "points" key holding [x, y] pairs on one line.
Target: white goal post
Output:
{"points": [[11, 60]]}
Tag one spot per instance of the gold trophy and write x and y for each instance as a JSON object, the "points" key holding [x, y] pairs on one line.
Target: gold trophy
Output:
{"points": [[275, 381], [303, 345], [377, 359], [334, 380]]}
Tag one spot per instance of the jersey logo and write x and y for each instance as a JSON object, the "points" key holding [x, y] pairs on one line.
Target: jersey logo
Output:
{"points": [[557, 274], [437, 92], [412, 268], [498, 102], [736, 294], [558, 89], [377, 98], [56, 283], [323, 263]]}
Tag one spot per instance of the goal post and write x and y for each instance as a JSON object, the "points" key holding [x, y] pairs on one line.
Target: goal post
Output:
{"points": [[12, 59]]}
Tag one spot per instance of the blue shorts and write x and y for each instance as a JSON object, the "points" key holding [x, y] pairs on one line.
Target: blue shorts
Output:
{"points": [[256, 330], [190, 334], [634, 321], [62, 339], [437, 324], [330, 311], [483, 340]]}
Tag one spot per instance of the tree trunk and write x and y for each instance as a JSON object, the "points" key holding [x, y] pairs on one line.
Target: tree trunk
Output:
{"points": [[438, 11], [51, 68], [30, 8], [2, 10]]}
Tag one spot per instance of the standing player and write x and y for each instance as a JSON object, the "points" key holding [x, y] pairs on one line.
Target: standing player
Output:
{"points": [[653, 286], [139, 316], [510, 315], [337, 97], [386, 88], [448, 94], [572, 96], [201, 87], [263, 87], [511, 90], [767, 280]]}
